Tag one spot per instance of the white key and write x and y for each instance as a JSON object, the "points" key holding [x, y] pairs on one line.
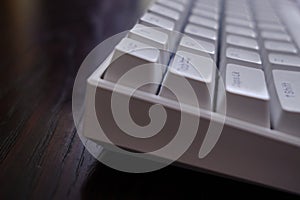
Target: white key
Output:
{"points": [[247, 100], [207, 2], [211, 8], [242, 41], [168, 26], [285, 102], [165, 12], [243, 57], [197, 47], [199, 71], [137, 49], [204, 22], [149, 35], [290, 15], [129, 54], [280, 46], [240, 31], [152, 37], [238, 9], [171, 4], [184, 2], [240, 15], [267, 17], [237, 4], [205, 13], [193, 66], [149, 19], [201, 32], [275, 36], [284, 62], [270, 27], [240, 22]]}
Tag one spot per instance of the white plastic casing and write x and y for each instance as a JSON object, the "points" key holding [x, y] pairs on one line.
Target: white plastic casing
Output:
{"points": [[244, 150]]}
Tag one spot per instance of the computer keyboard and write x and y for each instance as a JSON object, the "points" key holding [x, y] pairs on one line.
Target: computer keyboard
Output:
{"points": [[240, 57]]}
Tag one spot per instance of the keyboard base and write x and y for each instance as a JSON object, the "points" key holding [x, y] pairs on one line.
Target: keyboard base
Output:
{"points": [[243, 151]]}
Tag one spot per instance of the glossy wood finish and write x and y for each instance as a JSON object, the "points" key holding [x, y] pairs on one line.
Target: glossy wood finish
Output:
{"points": [[42, 45]]}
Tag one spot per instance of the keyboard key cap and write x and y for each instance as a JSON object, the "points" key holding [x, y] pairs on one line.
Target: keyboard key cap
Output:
{"points": [[149, 19], [197, 47], [168, 26], [200, 73], [242, 42], [214, 3], [129, 54], [247, 100], [208, 7], [290, 16], [241, 10], [165, 12], [240, 15], [205, 13], [271, 27], [152, 37], [240, 22], [171, 4], [184, 2], [285, 102], [243, 57], [240, 31], [209, 23], [280, 46], [245, 14], [188, 65], [201, 32], [275, 36], [284, 62], [267, 17]]}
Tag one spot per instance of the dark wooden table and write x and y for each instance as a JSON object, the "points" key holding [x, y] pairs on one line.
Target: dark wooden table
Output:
{"points": [[42, 45]]}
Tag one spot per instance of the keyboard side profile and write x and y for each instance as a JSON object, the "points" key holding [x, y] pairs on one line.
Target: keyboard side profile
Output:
{"points": [[256, 80]]}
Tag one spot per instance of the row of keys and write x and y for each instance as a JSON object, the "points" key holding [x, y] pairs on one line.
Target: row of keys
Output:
{"points": [[255, 102], [195, 59], [252, 46], [167, 15], [278, 50], [251, 100], [240, 45], [149, 43], [241, 64], [249, 97], [202, 27], [240, 48], [281, 63]]}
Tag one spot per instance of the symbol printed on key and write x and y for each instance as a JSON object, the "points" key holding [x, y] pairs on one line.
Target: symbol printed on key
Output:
{"points": [[288, 90], [184, 64], [236, 79], [154, 19]]}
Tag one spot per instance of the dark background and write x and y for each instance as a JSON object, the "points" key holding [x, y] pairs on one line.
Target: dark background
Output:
{"points": [[42, 45]]}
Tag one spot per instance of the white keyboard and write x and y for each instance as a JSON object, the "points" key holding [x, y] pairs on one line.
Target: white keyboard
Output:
{"points": [[241, 56]]}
